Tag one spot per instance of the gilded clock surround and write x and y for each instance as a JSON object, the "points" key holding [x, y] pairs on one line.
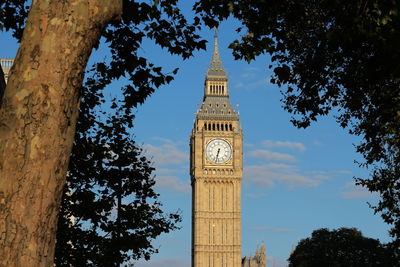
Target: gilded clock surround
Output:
{"points": [[216, 187]]}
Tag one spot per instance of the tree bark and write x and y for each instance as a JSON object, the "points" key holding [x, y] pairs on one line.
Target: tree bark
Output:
{"points": [[37, 122]]}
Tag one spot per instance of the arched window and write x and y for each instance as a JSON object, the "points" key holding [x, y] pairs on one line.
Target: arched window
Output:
{"points": [[226, 127], [213, 127], [230, 127]]}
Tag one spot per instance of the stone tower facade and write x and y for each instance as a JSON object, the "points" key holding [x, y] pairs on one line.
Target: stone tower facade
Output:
{"points": [[216, 173]]}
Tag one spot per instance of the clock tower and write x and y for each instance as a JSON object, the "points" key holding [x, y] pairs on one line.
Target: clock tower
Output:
{"points": [[216, 173]]}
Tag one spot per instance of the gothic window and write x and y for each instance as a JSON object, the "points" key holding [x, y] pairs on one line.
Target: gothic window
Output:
{"points": [[213, 127]]}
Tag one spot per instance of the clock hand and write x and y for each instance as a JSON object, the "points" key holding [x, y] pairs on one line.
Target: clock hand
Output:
{"points": [[217, 154]]}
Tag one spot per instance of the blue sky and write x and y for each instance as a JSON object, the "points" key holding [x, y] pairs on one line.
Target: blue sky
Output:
{"points": [[295, 181]]}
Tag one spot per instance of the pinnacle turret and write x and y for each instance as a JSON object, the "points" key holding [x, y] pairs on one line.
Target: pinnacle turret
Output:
{"points": [[216, 68]]}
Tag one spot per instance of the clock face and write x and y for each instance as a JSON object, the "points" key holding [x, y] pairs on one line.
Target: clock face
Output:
{"points": [[218, 151]]}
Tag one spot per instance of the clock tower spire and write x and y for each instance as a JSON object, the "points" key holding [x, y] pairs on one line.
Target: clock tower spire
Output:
{"points": [[216, 173]]}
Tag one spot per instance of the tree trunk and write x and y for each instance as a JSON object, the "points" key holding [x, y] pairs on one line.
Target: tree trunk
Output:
{"points": [[37, 122]]}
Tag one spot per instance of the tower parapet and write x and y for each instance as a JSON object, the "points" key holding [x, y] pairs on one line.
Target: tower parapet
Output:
{"points": [[6, 64]]}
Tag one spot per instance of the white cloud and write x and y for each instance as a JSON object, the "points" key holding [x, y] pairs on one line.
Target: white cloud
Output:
{"points": [[352, 191], [163, 263], [269, 174], [248, 75], [320, 175], [270, 155], [252, 84], [167, 153], [165, 179], [285, 144], [252, 78]]}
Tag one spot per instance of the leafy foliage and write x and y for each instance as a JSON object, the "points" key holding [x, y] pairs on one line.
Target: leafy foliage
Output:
{"points": [[109, 191], [109, 212], [333, 56], [341, 247], [13, 16]]}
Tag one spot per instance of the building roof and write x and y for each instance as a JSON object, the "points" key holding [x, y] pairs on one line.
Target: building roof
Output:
{"points": [[218, 108]]}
